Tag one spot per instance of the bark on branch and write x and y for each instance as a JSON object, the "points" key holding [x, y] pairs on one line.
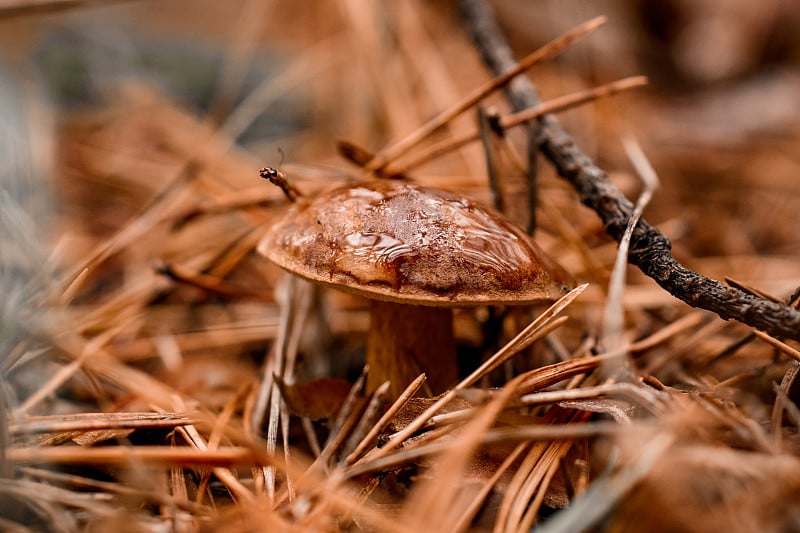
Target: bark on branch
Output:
{"points": [[650, 250]]}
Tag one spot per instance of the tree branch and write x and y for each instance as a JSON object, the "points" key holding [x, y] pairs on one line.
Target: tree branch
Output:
{"points": [[650, 250]]}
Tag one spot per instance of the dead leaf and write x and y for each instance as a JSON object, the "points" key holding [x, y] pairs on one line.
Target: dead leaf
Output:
{"points": [[315, 399]]}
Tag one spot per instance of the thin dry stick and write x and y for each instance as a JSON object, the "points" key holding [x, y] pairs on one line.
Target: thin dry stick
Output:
{"points": [[556, 105], [513, 187], [388, 154], [791, 408], [489, 142], [650, 250]]}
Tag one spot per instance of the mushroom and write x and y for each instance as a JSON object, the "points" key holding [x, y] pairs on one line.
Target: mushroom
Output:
{"points": [[416, 253]]}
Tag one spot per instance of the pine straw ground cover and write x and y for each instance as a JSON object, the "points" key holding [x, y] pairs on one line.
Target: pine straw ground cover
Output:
{"points": [[170, 379]]}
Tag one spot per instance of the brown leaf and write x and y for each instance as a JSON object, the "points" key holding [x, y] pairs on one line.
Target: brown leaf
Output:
{"points": [[315, 399]]}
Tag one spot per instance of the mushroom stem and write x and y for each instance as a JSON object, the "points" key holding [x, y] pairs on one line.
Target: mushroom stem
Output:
{"points": [[406, 340]]}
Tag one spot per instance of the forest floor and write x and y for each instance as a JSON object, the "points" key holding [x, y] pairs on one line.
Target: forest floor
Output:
{"points": [[170, 378]]}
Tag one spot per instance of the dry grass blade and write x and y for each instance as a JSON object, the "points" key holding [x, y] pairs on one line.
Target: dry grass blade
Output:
{"points": [[532, 380], [95, 421], [613, 314], [780, 345], [468, 514], [524, 338], [571, 100], [523, 483], [538, 484], [388, 154], [435, 504], [586, 511], [145, 348], [224, 457], [543, 324], [344, 423], [369, 419], [211, 284], [296, 299], [434, 446], [387, 417], [86, 483], [153, 214], [556, 105], [222, 472], [783, 402], [20, 8], [130, 379], [643, 397]]}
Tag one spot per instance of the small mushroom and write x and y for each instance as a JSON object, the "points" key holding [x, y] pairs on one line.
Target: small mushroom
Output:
{"points": [[415, 252]]}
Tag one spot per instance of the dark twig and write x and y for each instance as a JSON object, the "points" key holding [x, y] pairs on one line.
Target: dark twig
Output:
{"points": [[650, 250], [520, 92]]}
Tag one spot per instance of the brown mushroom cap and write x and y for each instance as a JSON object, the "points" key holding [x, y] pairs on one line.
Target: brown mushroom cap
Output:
{"points": [[394, 241]]}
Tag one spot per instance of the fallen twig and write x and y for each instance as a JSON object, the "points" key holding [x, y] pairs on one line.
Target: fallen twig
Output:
{"points": [[650, 250]]}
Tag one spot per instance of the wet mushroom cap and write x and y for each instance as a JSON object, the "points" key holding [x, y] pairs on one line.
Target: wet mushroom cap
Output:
{"points": [[395, 241]]}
